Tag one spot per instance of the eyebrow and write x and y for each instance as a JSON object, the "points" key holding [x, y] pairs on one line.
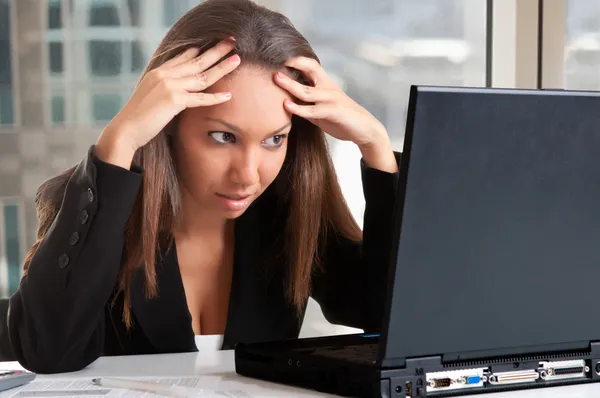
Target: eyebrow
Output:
{"points": [[238, 130]]}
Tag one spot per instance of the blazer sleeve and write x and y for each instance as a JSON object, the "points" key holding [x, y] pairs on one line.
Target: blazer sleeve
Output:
{"points": [[351, 286], [56, 317]]}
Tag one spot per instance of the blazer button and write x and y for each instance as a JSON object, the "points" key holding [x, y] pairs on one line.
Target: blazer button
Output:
{"points": [[90, 195], [63, 260], [84, 216], [74, 239]]}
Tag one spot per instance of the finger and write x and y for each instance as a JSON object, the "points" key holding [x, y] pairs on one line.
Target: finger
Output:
{"points": [[203, 62], [303, 92], [193, 100], [185, 56], [320, 111], [310, 68], [201, 81]]}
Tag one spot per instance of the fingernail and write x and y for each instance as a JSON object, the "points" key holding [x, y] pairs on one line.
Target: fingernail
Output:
{"points": [[280, 75], [234, 58], [232, 38], [226, 95]]}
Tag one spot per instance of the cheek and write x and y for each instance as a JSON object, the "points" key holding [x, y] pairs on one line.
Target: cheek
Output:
{"points": [[271, 166], [196, 167]]}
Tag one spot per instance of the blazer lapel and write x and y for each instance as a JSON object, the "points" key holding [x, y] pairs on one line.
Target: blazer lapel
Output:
{"points": [[164, 320]]}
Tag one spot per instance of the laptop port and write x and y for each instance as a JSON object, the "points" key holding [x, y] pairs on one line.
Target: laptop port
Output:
{"points": [[523, 376], [440, 383], [559, 370], [469, 380], [456, 379]]}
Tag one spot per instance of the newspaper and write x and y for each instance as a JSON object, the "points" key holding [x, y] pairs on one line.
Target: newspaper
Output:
{"points": [[84, 387]]}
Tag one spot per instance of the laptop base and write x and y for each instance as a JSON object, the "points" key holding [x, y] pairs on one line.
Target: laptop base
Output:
{"points": [[305, 363]]}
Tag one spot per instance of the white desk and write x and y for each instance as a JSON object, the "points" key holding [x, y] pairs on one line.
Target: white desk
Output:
{"points": [[218, 371]]}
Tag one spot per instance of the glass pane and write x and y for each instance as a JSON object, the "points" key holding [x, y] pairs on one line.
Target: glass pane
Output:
{"points": [[173, 10], [105, 57], [6, 105], [54, 14], [103, 15], [12, 245], [138, 59], [582, 45], [55, 53], [105, 106], [58, 109], [134, 12], [376, 49], [6, 100]]}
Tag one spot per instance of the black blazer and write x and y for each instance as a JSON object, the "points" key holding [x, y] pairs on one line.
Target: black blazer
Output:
{"points": [[62, 318]]}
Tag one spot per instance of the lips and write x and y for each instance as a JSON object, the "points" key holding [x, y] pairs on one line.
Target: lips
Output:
{"points": [[235, 196], [235, 201]]}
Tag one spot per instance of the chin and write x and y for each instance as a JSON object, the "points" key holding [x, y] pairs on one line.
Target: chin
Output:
{"points": [[233, 214]]}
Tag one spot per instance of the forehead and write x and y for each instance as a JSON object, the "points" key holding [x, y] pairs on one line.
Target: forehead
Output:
{"points": [[256, 105]]}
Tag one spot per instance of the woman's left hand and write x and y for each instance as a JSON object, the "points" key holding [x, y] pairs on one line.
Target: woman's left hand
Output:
{"points": [[336, 113]]}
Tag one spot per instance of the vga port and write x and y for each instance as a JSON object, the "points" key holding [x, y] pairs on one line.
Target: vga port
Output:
{"points": [[559, 370], [456, 379]]}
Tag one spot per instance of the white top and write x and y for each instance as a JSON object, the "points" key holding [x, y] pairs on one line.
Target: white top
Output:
{"points": [[209, 342]]}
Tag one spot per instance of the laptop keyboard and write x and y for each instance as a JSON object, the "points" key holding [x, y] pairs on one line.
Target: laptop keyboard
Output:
{"points": [[363, 353]]}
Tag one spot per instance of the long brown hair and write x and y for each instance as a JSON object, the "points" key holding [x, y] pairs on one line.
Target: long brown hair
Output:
{"points": [[317, 208]]}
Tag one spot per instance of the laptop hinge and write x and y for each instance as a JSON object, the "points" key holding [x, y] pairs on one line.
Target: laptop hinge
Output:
{"points": [[395, 363], [595, 349]]}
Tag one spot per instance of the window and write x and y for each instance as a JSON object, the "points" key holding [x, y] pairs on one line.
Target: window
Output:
{"points": [[173, 10], [54, 14], [115, 12], [58, 109], [105, 57], [138, 58], [133, 6], [55, 53], [6, 105], [582, 45], [104, 14], [6, 96], [11, 255], [105, 106], [376, 49]]}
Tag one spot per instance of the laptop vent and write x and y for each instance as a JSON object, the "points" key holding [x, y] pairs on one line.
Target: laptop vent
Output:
{"points": [[517, 359]]}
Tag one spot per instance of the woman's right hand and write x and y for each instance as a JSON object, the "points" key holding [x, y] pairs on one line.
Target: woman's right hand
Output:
{"points": [[162, 94]]}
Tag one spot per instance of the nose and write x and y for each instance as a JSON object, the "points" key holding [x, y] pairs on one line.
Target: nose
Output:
{"points": [[244, 169]]}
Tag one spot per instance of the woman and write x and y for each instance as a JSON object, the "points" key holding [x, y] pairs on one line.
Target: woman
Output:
{"points": [[208, 205]]}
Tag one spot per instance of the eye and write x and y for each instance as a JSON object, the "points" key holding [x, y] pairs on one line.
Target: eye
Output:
{"points": [[275, 141], [222, 137]]}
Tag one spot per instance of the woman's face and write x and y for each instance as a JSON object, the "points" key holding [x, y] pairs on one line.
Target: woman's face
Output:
{"points": [[228, 154]]}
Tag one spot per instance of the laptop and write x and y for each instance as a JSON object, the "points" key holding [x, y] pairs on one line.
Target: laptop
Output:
{"points": [[496, 268]]}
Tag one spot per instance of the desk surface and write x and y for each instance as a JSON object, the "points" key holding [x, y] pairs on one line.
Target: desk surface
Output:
{"points": [[216, 371]]}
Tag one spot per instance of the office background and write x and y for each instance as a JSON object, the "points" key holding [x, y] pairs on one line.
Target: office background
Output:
{"points": [[67, 67]]}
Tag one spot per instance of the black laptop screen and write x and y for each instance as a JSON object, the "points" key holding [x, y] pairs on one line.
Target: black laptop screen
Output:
{"points": [[500, 235]]}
